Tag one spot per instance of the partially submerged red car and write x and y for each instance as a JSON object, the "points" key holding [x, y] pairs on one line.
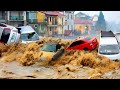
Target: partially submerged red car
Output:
{"points": [[85, 43]]}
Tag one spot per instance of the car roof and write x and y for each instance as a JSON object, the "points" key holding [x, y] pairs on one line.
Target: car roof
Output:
{"points": [[26, 29], [3, 25], [108, 41]]}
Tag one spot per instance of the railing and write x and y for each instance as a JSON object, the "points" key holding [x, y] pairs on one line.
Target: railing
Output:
{"points": [[16, 18], [2, 19], [53, 23], [32, 21]]}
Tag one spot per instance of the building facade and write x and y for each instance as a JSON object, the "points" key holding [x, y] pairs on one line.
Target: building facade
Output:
{"points": [[55, 23], [69, 20], [3, 16], [83, 26], [42, 23], [16, 18]]}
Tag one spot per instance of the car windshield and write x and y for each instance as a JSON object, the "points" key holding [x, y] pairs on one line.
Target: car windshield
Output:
{"points": [[49, 48], [29, 36], [109, 49]]}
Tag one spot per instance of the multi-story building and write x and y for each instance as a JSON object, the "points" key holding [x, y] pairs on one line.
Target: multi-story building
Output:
{"points": [[31, 19], [55, 23], [16, 18], [83, 25], [42, 23], [69, 22]]}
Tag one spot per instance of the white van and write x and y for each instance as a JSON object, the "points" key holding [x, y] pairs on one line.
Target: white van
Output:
{"points": [[109, 47], [28, 34], [8, 34], [118, 37]]}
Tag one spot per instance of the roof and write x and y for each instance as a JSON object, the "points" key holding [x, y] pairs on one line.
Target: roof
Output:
{"points": [[3, 25], [81, 14], [107, 34], [108, 40], [54, 13], [82, 21]]}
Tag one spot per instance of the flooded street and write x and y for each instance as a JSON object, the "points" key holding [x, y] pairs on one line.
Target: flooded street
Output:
{"points": [[23, 62]]}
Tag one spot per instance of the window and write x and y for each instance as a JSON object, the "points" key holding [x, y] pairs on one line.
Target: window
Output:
{"points": [[50, 19], [5, 36], [71, 27], [62, 21], [68, 16], [109, 49], [68, 27], [71, 16], [76, 43], [32, 15], [50, 28]]}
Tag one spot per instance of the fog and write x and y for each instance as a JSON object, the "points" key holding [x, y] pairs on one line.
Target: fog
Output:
{"points": [[112, 18]]}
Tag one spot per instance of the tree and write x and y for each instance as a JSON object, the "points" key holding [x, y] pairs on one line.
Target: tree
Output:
{"points": [[100, 24]]}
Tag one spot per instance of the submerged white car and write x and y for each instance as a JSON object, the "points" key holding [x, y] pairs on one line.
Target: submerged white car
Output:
{"points": [[109, 47], [28, 34], [8, 34]]}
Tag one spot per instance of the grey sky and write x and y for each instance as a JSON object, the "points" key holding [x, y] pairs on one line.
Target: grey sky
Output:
{"points": [[109, 15]]}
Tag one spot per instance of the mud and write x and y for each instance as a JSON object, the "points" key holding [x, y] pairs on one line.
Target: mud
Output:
{"points": [[23, 61]]}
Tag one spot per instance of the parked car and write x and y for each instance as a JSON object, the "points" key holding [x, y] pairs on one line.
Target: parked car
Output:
{"points": [[9, 34], [108, 46], [117, 35], [85, 43], [51, 51], [28, 34]]}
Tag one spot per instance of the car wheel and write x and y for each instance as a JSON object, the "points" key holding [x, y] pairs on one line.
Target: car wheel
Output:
{"points": [[86, 49]]}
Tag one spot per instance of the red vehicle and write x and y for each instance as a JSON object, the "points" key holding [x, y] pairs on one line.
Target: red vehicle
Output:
{"points": [[86, 43]]}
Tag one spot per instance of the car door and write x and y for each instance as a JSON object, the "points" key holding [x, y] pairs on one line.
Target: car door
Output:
{"points": [[81, 45], [14, 38]]}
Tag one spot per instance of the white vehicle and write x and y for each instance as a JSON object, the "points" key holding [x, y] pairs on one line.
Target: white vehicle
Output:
{"points": [[8, 34], [118, 37], [28, 34], [109, 46]]}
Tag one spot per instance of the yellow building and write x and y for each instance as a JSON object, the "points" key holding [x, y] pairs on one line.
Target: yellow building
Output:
{"points": [[40, 16], [54, 23], [83, 25]]}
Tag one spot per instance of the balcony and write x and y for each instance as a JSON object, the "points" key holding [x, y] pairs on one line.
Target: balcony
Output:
{"points": [[16, 18], [32, 21], [2, 20], [52, 24]]}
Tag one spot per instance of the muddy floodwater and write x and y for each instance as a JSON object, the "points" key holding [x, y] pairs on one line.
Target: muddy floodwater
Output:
{"points": [[22, 61], [13, 70]]}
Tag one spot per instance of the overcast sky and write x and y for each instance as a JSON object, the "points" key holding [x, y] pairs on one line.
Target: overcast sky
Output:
{"points": [[109, 15]]}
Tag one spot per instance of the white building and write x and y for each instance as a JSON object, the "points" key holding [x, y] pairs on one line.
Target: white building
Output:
{"points": [[16, 18], [69, 20]]}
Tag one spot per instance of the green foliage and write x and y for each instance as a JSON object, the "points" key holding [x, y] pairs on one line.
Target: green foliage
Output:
{"points": [[101, 23]]}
